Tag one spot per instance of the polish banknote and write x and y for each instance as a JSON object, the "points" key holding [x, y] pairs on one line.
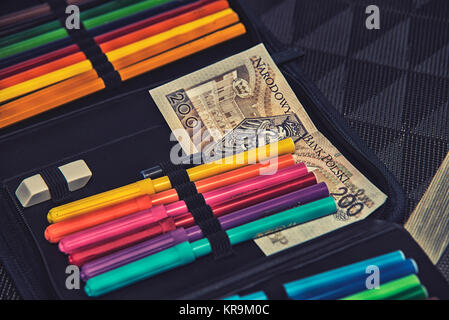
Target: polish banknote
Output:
{"points": [[244, 101]]}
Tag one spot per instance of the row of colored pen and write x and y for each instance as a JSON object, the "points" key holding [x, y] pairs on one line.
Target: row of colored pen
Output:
{"points": [[136, 37], [387, 277], [129, 237]]}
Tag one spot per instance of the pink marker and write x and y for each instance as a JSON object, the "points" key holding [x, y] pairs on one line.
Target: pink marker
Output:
{"points": [[141, 220]]}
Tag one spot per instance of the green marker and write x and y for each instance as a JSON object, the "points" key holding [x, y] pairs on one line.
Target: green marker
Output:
{"points": [[186, 252], [408, 287]]}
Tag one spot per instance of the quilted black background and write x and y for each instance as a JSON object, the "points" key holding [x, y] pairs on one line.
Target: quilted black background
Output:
{"points": [[391, 84]]}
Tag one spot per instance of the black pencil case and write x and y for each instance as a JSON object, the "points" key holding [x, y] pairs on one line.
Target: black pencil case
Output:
{"points": [[120, 132]]}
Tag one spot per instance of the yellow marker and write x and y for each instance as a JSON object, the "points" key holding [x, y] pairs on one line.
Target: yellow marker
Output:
{"points": [[177, 36], [148, 186]]}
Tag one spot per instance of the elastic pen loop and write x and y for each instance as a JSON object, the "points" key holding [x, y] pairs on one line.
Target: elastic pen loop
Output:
{"points": [[82, 38]]}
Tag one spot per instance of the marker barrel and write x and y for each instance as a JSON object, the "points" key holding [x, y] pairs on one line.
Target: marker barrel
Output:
{"points": [[140, 220], [57, 231], [357, 282], [194, 233], [186, 220], [349, 284], [149, 186], [186, 252], [333, 279]]}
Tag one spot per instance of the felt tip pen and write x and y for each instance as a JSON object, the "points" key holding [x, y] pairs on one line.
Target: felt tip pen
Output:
{"points": [[353, 285], [138, 221], [417, 293], [258, 295], [399, 289], [186, 252], [148, 186], [194, 233], [57, 231], [84, 255]]}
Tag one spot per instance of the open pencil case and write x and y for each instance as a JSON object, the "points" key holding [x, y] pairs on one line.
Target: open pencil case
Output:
{"points": [[119, 132]]}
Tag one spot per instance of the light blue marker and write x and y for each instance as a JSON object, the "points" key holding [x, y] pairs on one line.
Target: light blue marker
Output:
{"points": [[358, 283], [328, 281]]}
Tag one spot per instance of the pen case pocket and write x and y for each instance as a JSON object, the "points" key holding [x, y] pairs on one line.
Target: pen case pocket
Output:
{"points": [[362, 240], [120, 132]]}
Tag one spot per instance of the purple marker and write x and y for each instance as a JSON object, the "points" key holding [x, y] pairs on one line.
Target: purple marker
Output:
{"points": [[237, 218]]}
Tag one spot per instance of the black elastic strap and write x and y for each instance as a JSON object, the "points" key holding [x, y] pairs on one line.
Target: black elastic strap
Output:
{"points": [[168, 166], [209, 225], [205, 219], [195, 201], [82, 38], [178, 177], [186, 190], [274, 290], [220, 245], [57, 184]]}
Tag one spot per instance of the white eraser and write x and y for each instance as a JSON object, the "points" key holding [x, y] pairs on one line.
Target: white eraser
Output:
{"points": [[34, 190]]}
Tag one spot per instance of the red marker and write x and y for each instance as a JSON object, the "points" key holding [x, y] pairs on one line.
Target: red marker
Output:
{"points": [[57, 231], [186, 220], [141, 220]]}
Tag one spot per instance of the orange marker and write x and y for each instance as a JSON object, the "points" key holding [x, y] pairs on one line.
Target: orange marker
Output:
{"points": [[56, 231], [116, 43]]}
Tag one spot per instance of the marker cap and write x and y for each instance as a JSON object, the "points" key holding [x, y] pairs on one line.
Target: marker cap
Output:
{"points": [[149, 186]]}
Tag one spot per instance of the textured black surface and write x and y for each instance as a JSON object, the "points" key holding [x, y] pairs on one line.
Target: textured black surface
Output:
{"points": [[391, 85]]}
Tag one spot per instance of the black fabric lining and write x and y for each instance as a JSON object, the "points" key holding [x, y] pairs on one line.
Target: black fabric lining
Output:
{"points": [[274, 290], [57, 184], [88, 46], [209, 225]]}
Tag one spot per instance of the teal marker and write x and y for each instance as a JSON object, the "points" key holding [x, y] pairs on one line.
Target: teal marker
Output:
{"points": [[186, 252], [343, 281], [336, 279]]}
